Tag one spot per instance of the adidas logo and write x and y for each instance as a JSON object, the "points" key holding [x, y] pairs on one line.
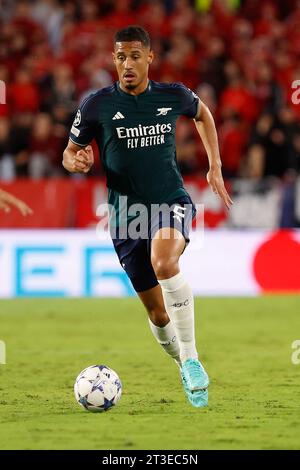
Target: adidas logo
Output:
{"points": [[118, 115]]}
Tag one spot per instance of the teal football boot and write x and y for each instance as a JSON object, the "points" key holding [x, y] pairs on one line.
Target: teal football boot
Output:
{"points": [[195, 382]]}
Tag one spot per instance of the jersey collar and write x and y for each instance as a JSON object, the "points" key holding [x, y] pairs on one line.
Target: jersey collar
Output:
{"points": [[148, 89]]}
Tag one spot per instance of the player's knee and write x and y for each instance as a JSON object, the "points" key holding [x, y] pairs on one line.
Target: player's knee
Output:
{"points": [[165, 268]]}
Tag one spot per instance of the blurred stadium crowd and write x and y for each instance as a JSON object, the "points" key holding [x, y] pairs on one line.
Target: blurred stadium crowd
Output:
{"points": [[241, 57]]}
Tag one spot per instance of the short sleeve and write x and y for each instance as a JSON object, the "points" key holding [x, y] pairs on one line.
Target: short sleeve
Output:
{"points": [[189, 102], [83, 129]]}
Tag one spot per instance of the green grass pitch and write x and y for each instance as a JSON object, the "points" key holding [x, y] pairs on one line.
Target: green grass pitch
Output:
{"points": [[245, 344]]}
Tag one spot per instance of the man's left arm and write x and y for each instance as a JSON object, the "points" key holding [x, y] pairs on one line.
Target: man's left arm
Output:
{"points": [[206, 128]]}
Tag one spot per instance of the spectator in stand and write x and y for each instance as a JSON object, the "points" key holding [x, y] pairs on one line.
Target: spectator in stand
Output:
{"points": [[180, 61], [62, 89], [237, 96], [212, 66], [49, 14], [121, 14], [270, 147], [154, 17], [19, 142], [24, 93], [233, 135], [44, 149], [267, 91], [182, 17]]}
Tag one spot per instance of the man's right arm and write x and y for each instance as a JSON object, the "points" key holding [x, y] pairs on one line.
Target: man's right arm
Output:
{"points": [[78, 159]]}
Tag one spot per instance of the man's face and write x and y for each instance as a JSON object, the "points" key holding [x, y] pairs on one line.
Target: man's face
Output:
{"points": [[132, 60]]}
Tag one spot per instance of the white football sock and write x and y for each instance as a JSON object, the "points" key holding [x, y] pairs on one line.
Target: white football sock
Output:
{"points": [[179, 304], [166, 337]]}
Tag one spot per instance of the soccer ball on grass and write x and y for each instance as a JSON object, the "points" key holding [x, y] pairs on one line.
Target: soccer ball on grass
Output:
{"points": [[98, 388]]}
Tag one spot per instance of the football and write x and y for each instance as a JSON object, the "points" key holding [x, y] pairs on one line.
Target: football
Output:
{"points": [[98, 388]]}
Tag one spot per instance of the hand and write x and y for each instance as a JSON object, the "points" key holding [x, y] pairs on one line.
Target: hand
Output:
{"points": [[83, 160], [7, 200], [215, 180]]}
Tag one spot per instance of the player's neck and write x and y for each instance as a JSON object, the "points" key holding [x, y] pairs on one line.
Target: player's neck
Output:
{"points": [[138, 90]]}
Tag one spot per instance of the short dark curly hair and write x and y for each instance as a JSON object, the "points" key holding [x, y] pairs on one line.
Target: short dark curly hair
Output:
{"points": [[133, 33]]}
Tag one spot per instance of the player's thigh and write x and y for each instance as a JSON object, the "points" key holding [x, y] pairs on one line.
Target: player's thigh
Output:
{"points": [[135, 260], [169, 228]]}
